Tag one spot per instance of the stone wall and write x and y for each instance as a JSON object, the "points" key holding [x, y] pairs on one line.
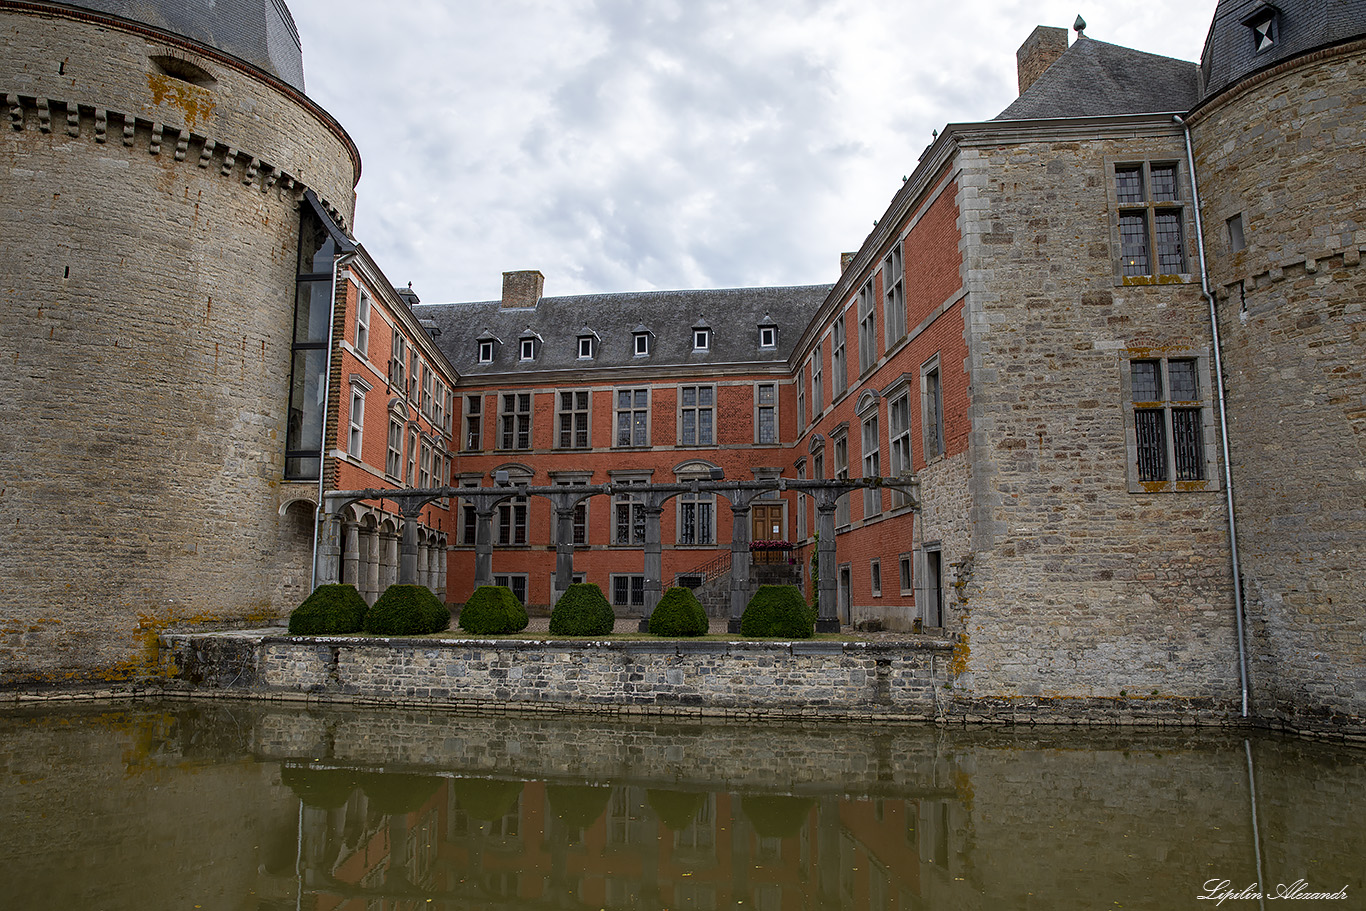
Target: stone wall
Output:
{"points": [[1285, 153], [147, 278], [1083, 583], [802, 679], [885, 680]]}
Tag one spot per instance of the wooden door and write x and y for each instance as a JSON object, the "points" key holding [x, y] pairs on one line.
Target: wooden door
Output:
{"points": [[766, 523]]}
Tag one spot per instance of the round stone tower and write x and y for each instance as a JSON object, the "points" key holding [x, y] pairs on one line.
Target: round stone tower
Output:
{"points": [[1280, 146], [153, 164]]}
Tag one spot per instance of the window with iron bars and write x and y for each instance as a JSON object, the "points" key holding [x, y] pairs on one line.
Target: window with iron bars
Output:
{"points": [[1168, 414]]}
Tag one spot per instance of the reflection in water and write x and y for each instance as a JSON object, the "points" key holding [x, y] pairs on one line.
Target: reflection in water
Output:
{"points": [[267, 808]]}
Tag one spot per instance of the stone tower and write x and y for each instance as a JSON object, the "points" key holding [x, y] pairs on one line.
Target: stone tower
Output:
{"points": [[152, 169], [1280, 140]]}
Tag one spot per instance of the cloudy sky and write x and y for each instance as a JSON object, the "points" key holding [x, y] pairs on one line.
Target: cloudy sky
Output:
{"points": [[621, 145]]}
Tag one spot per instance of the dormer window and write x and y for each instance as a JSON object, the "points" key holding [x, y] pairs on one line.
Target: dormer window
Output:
{"points": [[641, 335], [588, 340], [1265, 25], [701, 335], [768, 337], [526, 344], [488, 346]]}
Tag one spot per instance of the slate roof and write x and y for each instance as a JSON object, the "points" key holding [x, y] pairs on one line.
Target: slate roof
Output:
{"points": [[1231, 53], [260, 32], [735, 315], [1097, 79]]}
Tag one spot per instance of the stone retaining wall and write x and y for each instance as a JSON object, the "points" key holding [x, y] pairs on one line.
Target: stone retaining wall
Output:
{"points": [[905, 680]]}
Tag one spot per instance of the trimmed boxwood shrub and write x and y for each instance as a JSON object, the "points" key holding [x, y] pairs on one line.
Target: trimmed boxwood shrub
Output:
{"points": [[778, 611], [493, 610], [679, 614], [330, 609], [407, 610], [582, 611]]}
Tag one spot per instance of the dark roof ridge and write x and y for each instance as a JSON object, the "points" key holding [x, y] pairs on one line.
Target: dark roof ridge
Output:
{"points": [[1098, 78], [636, 294]]}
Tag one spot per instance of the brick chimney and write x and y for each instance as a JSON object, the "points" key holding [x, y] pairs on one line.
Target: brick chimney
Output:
{"points": [[1043, 46], [522, 289]]}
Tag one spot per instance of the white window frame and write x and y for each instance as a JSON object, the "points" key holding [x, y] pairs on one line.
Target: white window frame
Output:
{"points": [[905, 567], [701, 340], [875, 577], [899, 440], [572, 413], [867, 327], [872, 463], [632, 409], [362, 324], [642, 344], [894, 296], [762, 408], [839, 367], [932, 410], [514, 422], [393, 462], [768, 337], [474, 423], [697, 409], [585, 347], [528, 349], [410, 479], [486, 351], [355, 439], [817, 382]]}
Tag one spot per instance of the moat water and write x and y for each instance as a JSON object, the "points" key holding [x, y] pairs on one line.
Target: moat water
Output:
{"points": [[227, 805]]}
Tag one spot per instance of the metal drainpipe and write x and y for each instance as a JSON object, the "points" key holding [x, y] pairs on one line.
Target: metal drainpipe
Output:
{"points": [[337, 263], [1238, 608]]}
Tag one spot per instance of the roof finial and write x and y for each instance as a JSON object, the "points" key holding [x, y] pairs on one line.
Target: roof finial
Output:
{"points": [[1080, 26]]}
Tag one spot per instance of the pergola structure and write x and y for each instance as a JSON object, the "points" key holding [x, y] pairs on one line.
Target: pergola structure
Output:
{"points": [[651, 497]]}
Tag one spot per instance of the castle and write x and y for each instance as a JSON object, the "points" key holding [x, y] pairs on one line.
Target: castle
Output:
{"points": [[1115, 333]]}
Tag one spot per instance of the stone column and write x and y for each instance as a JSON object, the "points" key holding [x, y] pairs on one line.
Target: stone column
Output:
{"points": [[372, 561], [827, 612], [388, 546], [424, 559], [407, 558], [351, 562], [329, 551], [564, 549], [654, 567], [739, 563], [440, 586], [483, 547]]}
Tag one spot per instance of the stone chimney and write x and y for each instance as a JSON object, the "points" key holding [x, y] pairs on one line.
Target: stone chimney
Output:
{"points": [[522, 289], [1044, 45], [845, 260]]}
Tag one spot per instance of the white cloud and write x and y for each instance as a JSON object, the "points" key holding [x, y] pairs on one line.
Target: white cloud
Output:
{"points": [[620, 145]]}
